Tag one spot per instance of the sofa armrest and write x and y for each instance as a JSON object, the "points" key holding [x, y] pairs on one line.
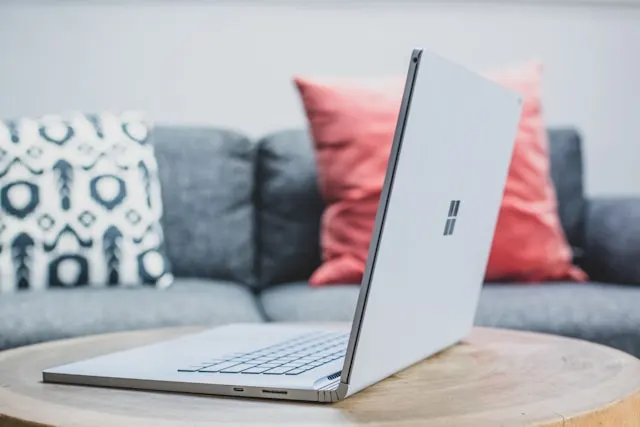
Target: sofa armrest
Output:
{"points": [[612, 240]]}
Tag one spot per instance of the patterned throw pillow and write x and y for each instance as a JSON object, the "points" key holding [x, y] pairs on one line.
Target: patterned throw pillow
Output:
{"points": [[80, 203]]}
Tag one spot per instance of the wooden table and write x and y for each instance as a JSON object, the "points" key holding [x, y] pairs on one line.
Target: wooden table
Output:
{"points": [[495, 378]]}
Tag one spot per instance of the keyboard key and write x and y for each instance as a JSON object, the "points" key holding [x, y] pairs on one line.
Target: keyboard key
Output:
{"points": [[270, 365], [278, 370], [213, 361], [297, 371], [194, 368], [219, 367], [255, 370], [280, 356], [237, 368]]}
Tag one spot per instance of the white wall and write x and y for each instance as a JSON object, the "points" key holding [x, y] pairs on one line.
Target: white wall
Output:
{"points": [[232, 65]]}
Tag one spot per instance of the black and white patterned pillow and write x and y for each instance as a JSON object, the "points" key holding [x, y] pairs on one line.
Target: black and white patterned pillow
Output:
{"points": [[80, 203]]}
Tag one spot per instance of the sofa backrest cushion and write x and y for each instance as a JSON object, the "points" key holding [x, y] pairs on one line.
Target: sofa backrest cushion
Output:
{"points": [[567, 175], [289, 205], [207, 177]]}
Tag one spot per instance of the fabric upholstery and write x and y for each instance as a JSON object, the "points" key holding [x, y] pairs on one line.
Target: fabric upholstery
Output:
{"points": [[207, 178], [599, 312], [299, 302], [565, 152], [31, 317], [604, 313], [612, 240], [289, 207]]}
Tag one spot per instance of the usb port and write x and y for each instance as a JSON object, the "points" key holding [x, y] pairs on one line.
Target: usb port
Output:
{"points": [[238, 389]]}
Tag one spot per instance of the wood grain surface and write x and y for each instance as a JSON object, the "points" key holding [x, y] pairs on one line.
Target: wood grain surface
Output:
{"points": [[494, 378]]}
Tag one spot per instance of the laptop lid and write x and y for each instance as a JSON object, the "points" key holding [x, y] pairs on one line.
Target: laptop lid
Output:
{"points": [[435, 221]]}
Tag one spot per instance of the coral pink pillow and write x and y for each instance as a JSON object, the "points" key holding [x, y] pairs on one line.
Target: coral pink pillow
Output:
{"points": [[529, 244], [352, 128]]}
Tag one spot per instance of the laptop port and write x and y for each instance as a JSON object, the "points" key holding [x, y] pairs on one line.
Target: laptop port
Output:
{"points": [[274, 391], [238, 389]]}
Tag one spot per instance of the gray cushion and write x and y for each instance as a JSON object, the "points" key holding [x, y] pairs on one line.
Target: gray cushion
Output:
{"points": [[289, 208], [612, 249], [294, 302], [604, 313], [31, 317], [207, 188], [290, 205], [566, 172]]}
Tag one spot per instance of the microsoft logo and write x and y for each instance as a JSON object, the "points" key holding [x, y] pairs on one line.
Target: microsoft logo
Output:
{"points": [[451, 219]]}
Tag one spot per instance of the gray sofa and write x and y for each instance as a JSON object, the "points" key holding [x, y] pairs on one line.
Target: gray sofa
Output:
{"points": [[242, 223]]}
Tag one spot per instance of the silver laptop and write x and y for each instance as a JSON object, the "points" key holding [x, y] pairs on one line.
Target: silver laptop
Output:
{"points": [[429, 249]]}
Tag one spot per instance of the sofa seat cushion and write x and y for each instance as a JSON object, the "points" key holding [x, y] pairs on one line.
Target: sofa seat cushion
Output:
{"points": [[608, 314], [299, 302], [604, 313], [31, 317]]}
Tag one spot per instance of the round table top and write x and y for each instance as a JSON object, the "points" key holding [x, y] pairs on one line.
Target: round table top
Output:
{"points": [[493, 378]]}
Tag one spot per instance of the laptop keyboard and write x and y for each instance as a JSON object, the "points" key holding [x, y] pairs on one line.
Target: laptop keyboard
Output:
{"points": [[291, 357]]}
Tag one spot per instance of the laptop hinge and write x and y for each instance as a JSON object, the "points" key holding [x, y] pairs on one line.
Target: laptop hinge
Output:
{"points": [[341, 391], [333, 394]]}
